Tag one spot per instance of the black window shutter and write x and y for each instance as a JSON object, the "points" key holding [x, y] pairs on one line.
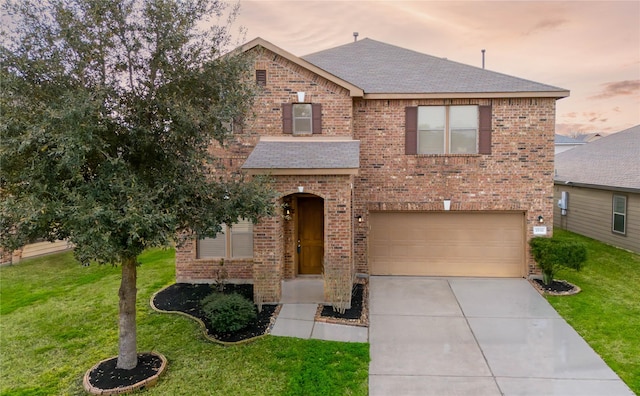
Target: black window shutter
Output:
{"points": [[411, 130], [316, 114], [287, 118], [484, 130]]}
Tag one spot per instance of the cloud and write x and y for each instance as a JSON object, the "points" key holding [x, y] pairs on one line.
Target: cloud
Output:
{"points": [[618, 88], [546, 24]]}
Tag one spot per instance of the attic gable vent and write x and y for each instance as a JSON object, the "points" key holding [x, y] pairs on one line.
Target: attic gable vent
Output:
{"points": [[261, 77]]}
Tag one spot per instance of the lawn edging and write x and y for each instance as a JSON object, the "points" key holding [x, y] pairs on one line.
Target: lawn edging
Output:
{"points": [[203, 326]]}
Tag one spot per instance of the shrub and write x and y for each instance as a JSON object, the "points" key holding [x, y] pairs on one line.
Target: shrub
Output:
{"points": [[551, 254], [228, 312]]}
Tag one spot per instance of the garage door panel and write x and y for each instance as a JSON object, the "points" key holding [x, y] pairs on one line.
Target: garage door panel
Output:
{"points": [[446, 244]]}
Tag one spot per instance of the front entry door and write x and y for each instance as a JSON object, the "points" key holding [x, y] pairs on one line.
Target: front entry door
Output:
{"points": [[310, 245]]}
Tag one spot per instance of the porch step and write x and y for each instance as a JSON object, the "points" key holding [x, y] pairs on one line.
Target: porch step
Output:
{"points": [[302, 291]]}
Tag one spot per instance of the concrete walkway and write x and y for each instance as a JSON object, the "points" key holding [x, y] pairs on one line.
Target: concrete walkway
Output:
{"points": [[300, 300], [471, 336]]}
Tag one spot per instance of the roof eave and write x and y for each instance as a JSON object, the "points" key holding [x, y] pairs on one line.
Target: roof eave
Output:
{"points": [[300, 171], [469, 95], [354, 91], [569, 183]]}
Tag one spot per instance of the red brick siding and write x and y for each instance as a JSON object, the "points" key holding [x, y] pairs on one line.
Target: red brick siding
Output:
{"points": [[516, 176]]}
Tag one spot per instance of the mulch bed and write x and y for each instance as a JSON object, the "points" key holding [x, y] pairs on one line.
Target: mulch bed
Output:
{"points": [[356, 315], [106, 376], [186, 298], [556, 288]]}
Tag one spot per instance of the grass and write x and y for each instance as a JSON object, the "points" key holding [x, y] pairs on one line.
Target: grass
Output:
{"points": [[58, 319], [606, 313]]}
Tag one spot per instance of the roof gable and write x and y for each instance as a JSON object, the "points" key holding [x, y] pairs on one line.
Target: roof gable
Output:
{"points": [[612, 161], [259, 42], [383, 69]]}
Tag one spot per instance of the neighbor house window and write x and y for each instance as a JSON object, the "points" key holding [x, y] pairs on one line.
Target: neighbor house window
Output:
{"points": [[448, 130], [302, 118], [619, 214], [233, 242]]}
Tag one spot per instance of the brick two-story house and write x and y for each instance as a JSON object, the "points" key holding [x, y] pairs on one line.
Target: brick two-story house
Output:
{"points": [[386, 162]]}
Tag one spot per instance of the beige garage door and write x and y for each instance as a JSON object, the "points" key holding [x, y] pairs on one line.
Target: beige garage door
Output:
{"points": [[447, 244]]}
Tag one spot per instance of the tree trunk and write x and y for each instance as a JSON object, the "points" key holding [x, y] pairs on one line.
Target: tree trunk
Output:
{"points": [[127, 353]]}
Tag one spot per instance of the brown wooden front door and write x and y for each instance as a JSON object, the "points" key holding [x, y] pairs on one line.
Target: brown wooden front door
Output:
{"points": [[310, 245]]}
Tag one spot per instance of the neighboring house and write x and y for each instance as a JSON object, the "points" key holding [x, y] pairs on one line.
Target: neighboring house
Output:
{"points": [[564, 143], [38, 248], [602, 183], [589, 137], [368, 145]]}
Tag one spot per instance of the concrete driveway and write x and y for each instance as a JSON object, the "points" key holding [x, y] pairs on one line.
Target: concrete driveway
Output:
{"points": [[472, 336]]}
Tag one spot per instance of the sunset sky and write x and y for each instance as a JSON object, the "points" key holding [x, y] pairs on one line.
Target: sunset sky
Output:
{"points": [[591, 48]]}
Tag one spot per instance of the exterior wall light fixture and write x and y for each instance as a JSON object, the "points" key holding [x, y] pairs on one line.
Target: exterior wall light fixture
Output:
{"points": [[300, 97], [540, 219], [359, 218], [447, 204]]}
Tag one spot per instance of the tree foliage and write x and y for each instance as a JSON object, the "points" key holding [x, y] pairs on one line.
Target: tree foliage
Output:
{"points": [[551, 254], [108, 109]]}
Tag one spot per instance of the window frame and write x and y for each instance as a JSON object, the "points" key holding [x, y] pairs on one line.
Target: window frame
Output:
{"points": [[228, 234], [623, 215], [448, 130], [316, 119], [309, 119], [484, 136]]}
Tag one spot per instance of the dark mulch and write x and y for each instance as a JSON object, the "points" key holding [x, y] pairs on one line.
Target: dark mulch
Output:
{"points": [[355, 312], [556, 286], [106, 376], [186, 297]]}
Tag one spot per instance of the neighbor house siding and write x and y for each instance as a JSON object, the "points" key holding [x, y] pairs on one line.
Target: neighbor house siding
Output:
{"points": [[516, 176], [590, 214]]}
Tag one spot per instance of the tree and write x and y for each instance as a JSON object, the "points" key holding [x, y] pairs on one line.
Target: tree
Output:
{"points": [[108, 109]]}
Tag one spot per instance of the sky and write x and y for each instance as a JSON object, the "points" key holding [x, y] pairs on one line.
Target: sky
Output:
{"points": [[591, 48]]}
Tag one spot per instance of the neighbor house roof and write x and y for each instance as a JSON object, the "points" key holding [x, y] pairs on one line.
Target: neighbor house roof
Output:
{"points": [[612, 161], [384, 70], [304, 155], [561, 139]]}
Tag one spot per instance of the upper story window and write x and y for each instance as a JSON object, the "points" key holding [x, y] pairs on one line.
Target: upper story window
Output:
{"points": [[302, 119], [619, 220], [448, 130], [233, 242]]}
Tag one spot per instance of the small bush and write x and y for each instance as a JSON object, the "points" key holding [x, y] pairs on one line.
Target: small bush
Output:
{"points": [[228, 312], [551, 254]]}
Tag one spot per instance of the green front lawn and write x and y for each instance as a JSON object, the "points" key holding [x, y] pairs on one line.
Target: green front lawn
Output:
{"points": [[607, 311], [57, 319]]}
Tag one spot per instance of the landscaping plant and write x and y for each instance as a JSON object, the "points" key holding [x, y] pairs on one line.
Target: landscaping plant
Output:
{"points": [[228, 312], [552, 254], [108, 111]]}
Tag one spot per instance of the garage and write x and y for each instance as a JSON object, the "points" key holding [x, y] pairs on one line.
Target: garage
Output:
{"points": [[489, 244]]}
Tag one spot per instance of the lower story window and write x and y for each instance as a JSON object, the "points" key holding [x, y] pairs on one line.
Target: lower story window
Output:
{"points": [[235, 241], [619, 220]]}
